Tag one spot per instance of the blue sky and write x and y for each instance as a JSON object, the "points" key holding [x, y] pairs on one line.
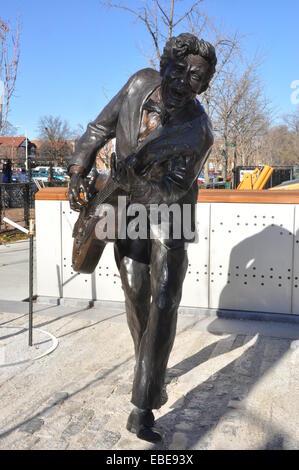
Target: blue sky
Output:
{"points": [[75, 54]]}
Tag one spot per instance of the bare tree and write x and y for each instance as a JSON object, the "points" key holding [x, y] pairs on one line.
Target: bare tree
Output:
{"points": [[242, 116], [234, 100], [228, 50], [55, 135], [280, 145], [292, 120], [8, 130], [160, 19], [9, 62], [78, 132]]}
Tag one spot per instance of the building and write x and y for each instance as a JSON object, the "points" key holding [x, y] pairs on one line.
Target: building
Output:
{"points": [[14, 148], [55, 151]]}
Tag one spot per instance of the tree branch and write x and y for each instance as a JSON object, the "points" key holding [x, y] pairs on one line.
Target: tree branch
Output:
{"points": [[171, 26], [187, 13], [9, 61], [163, 12]]}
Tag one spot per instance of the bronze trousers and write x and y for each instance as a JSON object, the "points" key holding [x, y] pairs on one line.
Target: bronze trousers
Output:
{"points": [[153, 293]]}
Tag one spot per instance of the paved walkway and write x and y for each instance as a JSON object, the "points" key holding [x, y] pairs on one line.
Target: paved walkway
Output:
{"points": [[231, 384], [14, 266]]}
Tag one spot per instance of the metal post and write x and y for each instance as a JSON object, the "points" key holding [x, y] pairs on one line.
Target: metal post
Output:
{"points": [[0, 205], [2, 91], [226, 161], [26, 150], [31, 235], [30, 181], [26, 203], [235, 167]]}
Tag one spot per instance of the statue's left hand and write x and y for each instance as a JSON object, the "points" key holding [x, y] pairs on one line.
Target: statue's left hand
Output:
{"points": [[77, 192]]}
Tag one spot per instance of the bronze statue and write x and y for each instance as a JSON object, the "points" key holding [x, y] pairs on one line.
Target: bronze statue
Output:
{"points": [[162, 140]]}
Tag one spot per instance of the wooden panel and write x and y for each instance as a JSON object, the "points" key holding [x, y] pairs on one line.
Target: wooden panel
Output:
{"points": [[52, 194], [204, 195], [248, 197]]}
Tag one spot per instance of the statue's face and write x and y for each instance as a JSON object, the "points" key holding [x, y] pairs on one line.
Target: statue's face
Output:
{"points": [[182, 81]]}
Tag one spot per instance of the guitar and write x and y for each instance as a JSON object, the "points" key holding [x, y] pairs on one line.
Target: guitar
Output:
{"points": [[164, 144], [87, 247]]}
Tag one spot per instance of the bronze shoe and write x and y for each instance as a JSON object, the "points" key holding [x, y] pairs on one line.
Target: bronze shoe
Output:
{"points": [[142, 423]]}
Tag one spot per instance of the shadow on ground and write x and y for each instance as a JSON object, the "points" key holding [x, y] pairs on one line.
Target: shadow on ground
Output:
{"points": [[202, 408]]}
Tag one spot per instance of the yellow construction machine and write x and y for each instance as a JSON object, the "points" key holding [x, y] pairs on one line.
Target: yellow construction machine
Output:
{"points": [[256, 179]]}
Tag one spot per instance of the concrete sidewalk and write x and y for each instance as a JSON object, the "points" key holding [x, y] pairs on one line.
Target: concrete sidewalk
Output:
{"points": [[232, 384], [14, 271]]}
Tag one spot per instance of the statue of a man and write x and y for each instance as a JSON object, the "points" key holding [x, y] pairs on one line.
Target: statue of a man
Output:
{"points": [[152, 270]]}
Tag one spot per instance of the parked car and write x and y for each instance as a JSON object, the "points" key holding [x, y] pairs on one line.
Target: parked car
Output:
{"points": [[58, 177], [14, 178], [22, 177], [40, 175]]}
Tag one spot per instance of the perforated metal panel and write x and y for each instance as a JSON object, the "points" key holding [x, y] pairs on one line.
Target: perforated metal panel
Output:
{"points": [[295, 279], [195, 289], [103, 284], [251, 257], [75, 285], [246, 258], [108, 283]]}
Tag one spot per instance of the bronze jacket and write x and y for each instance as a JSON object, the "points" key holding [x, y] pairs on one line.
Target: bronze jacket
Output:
{"points": [[173, 155], [121, 118]]}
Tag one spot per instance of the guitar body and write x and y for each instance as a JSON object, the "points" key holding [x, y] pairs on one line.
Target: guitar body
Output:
{"points": [[87, 247], [86, 255]]}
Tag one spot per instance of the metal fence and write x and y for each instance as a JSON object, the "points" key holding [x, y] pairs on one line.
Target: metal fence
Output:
{"points": [[214, 185], [16, 196]]}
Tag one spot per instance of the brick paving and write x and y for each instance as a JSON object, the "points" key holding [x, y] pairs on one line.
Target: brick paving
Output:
{"points": [[226, 391]]}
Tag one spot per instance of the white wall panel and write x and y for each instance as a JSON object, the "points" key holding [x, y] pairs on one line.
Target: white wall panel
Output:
{"points": [[246, 258], [108, 283], [103, 284], [295, 280], [75, 285], [196, 285], [251, 257], [48, 248]]}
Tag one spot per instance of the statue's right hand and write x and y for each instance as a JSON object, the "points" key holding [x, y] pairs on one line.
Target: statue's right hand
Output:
{"points": [[77, 192]]}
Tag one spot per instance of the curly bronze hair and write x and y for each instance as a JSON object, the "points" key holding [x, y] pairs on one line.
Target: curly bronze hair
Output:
{"points": [[178, 48]]}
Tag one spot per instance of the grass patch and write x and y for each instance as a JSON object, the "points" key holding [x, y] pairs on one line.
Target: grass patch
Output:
{"points": [[12, 236]]}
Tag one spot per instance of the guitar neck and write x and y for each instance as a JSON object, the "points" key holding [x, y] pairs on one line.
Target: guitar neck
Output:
{"points": [[101, 196]]}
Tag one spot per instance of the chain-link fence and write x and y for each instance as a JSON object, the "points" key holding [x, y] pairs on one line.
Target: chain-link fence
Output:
{"points": [[16, 201]]}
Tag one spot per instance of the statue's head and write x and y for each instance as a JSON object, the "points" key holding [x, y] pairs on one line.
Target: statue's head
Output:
{"points": [[187, 67]]}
